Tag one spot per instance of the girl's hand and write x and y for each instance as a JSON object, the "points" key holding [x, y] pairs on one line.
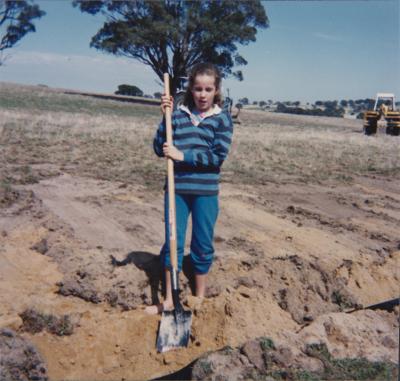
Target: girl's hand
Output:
{"points": [[172, 152], [165, 102]]}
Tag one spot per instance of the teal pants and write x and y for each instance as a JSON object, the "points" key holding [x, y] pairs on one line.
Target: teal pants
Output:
{"points": [[204, 211]]}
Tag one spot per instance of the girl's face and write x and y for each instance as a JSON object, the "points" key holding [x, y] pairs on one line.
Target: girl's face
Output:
{"points": [[203, 92]]}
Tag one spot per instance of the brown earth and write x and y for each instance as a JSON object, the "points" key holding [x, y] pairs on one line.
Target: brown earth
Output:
{"points": [[292, 260], [296, 256]]}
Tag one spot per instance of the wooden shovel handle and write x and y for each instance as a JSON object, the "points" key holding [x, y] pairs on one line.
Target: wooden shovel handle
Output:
{"points": [[171, 182]]}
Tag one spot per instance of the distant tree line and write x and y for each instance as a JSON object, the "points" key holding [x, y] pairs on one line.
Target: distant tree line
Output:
{"points": [[330, 110], [129, 90], [319, 108], [134, 91]]}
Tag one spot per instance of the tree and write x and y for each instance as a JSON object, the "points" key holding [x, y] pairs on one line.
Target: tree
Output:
{"points": [[331, 104], [129, 90], [244, 101], [157, 95], [370, 103], [280, 107], [16, 21], [173, 35]]}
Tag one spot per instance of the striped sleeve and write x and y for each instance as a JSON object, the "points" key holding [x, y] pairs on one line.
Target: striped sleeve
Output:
{"points": [[159, 139], [161, 134], [215, 156]]}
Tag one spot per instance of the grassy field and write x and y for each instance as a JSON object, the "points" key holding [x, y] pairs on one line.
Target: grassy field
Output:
{"points": [[42, 99], [113, 140]]}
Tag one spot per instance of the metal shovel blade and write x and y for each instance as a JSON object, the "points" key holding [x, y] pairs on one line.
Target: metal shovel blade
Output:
{"points": [[174, 331]]}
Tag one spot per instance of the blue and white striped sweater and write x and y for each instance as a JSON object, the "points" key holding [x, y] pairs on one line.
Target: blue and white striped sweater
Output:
{"points": [[205, 147]]}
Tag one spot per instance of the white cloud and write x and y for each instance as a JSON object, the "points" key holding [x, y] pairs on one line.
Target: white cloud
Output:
{"points": [[101, 73], [327, 37], [32, 58]]}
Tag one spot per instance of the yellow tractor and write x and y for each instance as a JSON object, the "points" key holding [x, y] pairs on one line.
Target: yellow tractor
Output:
{"points": [[385, 107]]}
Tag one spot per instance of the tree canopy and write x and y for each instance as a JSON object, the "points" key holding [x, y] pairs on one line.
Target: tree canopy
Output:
{"points": [[171, 36], [129, 90], [16, 21], [244, 101]]}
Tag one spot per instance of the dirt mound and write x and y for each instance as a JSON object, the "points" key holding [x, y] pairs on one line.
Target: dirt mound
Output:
{"points": [[365, 333], [306, 289], [143, 288], [259, 359], [20, 360], [336, 347]]}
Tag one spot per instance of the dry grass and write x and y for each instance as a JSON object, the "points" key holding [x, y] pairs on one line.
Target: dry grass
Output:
{"points": [[108, 140], [308, 149], [38, 99]]}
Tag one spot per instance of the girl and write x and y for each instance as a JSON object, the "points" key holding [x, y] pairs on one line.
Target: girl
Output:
{"points": [[202, 135]]}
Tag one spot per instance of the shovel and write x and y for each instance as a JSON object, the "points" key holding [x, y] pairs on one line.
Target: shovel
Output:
{"points": [[174, 330]]}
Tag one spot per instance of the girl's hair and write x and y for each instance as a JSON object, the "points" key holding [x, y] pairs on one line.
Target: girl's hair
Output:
{"points": [[201, 69]]}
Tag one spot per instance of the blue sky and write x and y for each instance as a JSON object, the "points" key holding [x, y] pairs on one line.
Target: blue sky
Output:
{"points": [[313, 50]]}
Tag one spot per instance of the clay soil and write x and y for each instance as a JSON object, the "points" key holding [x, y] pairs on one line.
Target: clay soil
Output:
{"points": [[307, 236]]}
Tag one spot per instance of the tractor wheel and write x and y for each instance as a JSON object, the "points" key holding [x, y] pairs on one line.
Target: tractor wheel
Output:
{"points": [[371, 122], [389, 130], [393, 123], [396, 131], [370, 127]]}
